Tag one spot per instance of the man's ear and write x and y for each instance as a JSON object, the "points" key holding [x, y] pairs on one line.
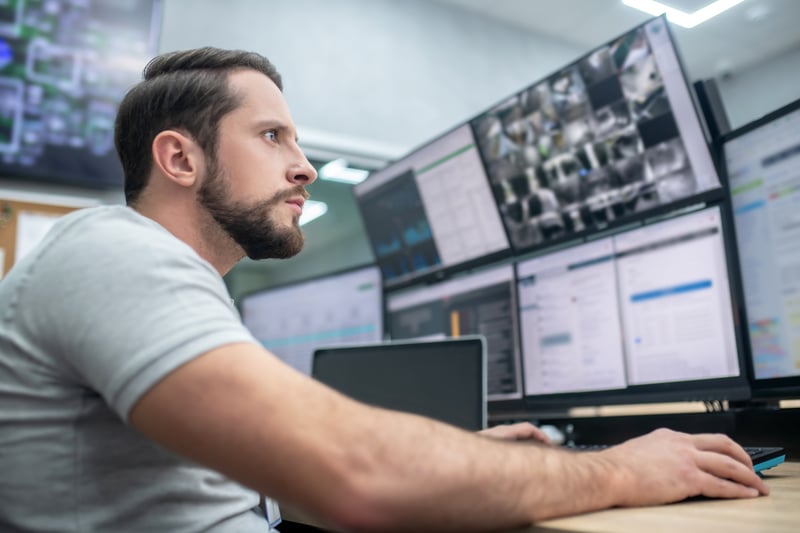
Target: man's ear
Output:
{"points": [[178, 157]]}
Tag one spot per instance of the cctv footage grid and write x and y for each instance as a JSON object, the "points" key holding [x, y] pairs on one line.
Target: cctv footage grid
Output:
{"points": [[649, 305], [764, 172], [64, 67], [432, 209], [292, 321], [613, 134]]}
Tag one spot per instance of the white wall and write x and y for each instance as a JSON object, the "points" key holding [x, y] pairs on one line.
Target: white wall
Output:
{"points": [[753, 93], [380, 71]]}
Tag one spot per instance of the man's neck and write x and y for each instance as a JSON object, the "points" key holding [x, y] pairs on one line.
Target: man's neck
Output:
{"points": [[194, 226]]}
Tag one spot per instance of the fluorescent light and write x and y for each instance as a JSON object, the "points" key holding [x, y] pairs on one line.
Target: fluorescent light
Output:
{"points": [[312, 210], [687, 20], [337, 170]]}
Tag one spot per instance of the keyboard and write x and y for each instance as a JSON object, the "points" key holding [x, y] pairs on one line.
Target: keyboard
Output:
{"points": [[763, 457]]}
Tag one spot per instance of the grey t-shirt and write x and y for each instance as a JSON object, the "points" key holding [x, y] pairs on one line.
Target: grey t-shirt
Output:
{"points": [[104, 308]]}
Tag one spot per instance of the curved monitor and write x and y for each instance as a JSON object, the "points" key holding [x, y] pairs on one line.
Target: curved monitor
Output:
{"points": [[644, 315], [431, 211], [607, 139], [762, 161], [64, 68], [291, 321]]}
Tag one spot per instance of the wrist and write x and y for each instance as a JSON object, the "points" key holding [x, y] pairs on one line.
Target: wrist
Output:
{"points": [[586, 481], [617, 479]]}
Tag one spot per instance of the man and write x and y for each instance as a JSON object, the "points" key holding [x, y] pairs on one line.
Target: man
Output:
{"points": [[132, 399]]}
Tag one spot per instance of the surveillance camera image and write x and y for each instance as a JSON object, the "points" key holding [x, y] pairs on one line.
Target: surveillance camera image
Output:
{"points": [[596, 142], [64, 67]]}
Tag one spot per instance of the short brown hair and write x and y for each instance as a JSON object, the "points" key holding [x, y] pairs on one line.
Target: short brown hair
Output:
{"points": [[186, 90]]}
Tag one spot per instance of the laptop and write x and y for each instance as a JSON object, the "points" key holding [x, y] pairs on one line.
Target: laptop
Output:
{"points": [[444, 379]]}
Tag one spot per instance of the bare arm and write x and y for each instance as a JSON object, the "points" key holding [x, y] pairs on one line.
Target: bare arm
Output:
{"points": [[241, 411]]}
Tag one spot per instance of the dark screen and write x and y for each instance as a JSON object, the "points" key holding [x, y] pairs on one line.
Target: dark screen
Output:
{"points": [[444, 380]]}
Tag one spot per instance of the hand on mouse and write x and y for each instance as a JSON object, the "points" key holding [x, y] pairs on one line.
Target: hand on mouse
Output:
{"points": [[518, 431]]}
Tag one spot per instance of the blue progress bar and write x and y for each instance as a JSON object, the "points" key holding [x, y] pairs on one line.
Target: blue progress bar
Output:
{"points": [[752, 206], [671, 291]]}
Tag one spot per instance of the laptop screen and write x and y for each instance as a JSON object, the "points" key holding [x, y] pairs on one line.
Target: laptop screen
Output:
{"points": [[441, 379]]}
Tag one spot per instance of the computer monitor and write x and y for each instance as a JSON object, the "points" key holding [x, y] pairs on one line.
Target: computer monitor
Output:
{"points": [[431, 211], [291, 321], [480, 302], [643, 315], [762, 162], [64, 68], [441, 379], [607, 139]]}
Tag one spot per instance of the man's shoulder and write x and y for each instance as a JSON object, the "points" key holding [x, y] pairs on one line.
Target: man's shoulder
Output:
{"points": [[116, 220], [112, 230], [113, 242]]}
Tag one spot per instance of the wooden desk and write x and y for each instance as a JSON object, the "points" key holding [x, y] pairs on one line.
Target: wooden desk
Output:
{"points": [[779, 512]]}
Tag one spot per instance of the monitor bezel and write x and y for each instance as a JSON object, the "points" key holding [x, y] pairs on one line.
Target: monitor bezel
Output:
{"points": [[786, 387]]}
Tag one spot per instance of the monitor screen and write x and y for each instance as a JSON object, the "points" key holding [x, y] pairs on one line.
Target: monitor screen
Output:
{"points": [[431, 210], [441, 379], [292, 321], [64, 67], [762, 160], [603, 140], [476, 303], [645, 315]]}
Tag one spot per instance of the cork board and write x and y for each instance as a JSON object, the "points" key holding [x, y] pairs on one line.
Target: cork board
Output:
{"points": [[10, 211]]}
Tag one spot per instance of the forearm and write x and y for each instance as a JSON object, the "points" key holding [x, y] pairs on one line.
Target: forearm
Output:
{"points": [[421, 475], [355, 466]]}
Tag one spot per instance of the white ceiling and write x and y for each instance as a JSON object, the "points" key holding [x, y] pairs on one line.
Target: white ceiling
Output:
{"points": [[751, 32]]}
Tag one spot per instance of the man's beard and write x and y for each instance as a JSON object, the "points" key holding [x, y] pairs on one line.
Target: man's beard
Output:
{"points": [[251, 226]]}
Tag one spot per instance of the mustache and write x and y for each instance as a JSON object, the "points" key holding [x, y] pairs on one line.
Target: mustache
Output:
{"points": [[291, 193]]}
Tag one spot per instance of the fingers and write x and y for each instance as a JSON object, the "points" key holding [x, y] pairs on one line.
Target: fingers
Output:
{"points": [[724, 445], [715, 487], [518, 431], [731, 477], [539, 435]]}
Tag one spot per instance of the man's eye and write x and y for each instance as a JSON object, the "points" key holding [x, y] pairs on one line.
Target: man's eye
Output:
{"points": [[272, 135]]}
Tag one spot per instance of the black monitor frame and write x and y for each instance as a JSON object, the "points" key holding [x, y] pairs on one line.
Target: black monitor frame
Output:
{"points": [[734, 388], [762, 388]]}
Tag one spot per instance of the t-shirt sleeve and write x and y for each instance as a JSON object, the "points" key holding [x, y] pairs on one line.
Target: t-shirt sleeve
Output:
{"points": [[123, 318]]}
